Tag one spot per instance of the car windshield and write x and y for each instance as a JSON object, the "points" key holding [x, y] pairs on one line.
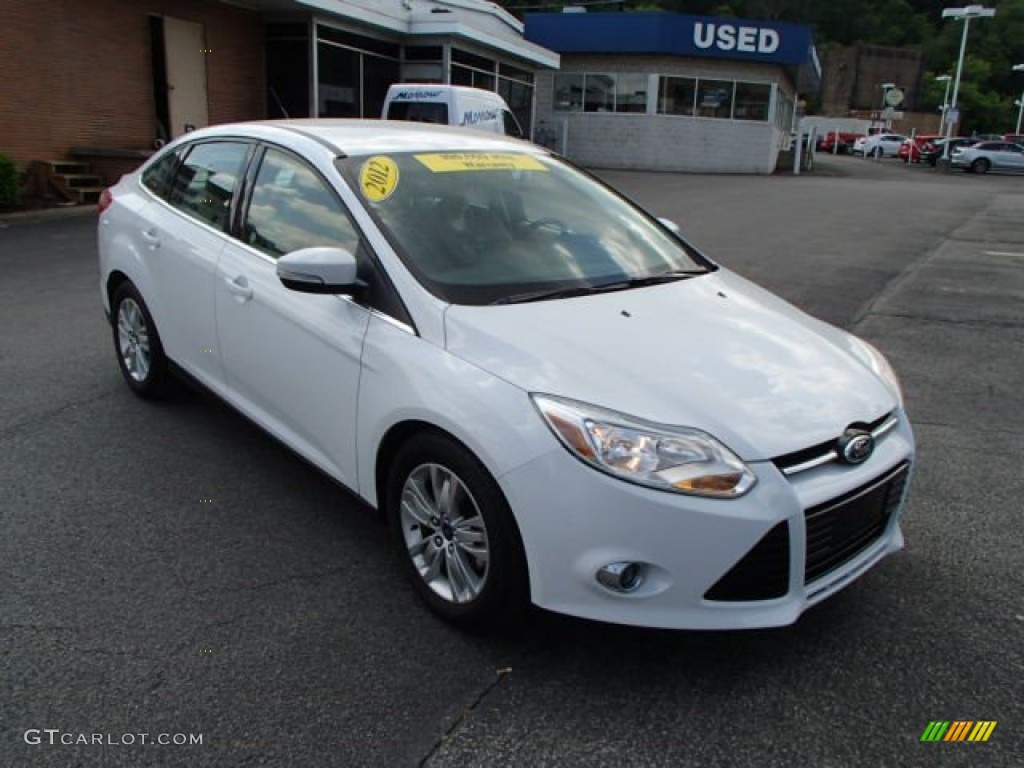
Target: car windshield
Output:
{"points": [[484, 228]]}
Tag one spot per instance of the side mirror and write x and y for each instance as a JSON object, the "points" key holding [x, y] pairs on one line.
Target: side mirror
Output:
{"points": [[670, 225], [320, 270]]}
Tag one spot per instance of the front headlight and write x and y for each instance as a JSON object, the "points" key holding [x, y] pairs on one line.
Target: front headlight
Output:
{"points": [[880, 366], [675, 459]]}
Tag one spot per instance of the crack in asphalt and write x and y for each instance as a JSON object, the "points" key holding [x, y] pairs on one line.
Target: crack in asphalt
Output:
{"points": [[898, 280], [13, 429], [463, 716]]}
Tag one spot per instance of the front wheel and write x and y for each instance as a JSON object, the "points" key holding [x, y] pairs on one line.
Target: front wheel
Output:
{"points": [[140, 355], [981, 165], [455, 533]]}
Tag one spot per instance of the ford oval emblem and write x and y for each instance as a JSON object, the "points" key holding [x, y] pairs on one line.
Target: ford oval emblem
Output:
{"points": [[855, 446]]}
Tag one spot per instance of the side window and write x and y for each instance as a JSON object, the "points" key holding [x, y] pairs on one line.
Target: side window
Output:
{"points": [[158, 177], [207, 179], [512, 125], [293, 208]]}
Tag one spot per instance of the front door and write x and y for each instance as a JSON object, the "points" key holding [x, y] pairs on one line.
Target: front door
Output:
{"points": [[292, 360], [185, 56]]}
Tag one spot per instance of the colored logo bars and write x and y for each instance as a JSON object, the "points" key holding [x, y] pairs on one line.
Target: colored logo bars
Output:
{"points": [[958, 730]]}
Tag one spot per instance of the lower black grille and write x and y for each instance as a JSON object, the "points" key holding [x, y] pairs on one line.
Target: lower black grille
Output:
{"points": [[839, 530], [761, 574]]}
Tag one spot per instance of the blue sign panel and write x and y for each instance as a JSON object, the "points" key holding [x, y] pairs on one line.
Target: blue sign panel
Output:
{"points": [[674, 34]]}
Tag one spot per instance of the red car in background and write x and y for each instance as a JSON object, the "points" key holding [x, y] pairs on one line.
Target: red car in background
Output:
{"points": [[845, 139], [912, 148]]}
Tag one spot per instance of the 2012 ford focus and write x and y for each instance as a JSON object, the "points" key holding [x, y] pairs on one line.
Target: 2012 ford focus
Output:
{"points": [[550, 395]]}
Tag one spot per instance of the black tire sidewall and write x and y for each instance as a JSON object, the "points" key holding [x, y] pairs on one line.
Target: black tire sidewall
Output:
{"points": [[506, 590], [156, 384]]}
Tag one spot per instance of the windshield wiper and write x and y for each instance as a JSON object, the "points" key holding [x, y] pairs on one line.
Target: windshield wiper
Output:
{"points": [[617, 285]]}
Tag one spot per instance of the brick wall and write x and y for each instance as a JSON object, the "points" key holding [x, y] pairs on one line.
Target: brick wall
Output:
{"points": [[78, 72], [664, 142]]}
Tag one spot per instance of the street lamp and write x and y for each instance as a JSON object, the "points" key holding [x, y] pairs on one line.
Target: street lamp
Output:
{"points": [[964, 14], [945, 101], [1020, 102]]}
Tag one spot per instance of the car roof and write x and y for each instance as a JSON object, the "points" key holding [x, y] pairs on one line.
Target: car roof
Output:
{"points": [[368, 137]]}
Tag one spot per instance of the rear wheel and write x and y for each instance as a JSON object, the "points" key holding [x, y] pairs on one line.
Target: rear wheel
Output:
{"points": [[455, 533], [981, 165], [140, 355]]}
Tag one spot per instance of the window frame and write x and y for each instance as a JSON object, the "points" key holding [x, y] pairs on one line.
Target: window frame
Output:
{"points": [[190, 147], [382, 297]]}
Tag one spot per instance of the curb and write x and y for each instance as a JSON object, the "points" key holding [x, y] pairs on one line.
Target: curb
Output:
{"points": [[48, 213]]}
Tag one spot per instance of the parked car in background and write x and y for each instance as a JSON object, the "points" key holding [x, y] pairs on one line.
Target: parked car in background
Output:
{"points": [[911, 149], [879, 145], [989, 155], [1014, 138], [549, 393], [932, 154], [840, 142]]}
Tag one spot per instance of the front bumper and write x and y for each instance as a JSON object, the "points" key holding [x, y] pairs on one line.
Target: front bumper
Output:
{"points": [[574, 520]]}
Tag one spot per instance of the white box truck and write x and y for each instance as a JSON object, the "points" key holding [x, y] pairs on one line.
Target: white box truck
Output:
{"points": [[451, 105]]}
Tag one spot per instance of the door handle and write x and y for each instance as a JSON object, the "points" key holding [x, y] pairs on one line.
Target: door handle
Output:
{"points": [[239, 287], [152, 237]]}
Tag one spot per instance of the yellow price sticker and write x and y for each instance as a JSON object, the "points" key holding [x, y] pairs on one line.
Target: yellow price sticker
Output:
{"points": [[378, 178], [448, 162]]}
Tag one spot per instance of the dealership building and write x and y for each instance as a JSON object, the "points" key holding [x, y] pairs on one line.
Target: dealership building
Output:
{"points": [[102, 81], [671, 92]]}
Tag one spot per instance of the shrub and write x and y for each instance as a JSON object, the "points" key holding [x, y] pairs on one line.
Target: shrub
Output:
{"points": [[8, 181]]}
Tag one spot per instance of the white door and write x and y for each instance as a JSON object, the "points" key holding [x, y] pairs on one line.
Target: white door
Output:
{"points": [[185, 51], [184, 239], [292, 360]]}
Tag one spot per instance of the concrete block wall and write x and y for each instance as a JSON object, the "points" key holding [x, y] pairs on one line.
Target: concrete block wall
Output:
{"points": [[78, 72], [664, 142]]}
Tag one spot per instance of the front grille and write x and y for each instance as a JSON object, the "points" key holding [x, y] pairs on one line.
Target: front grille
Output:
{"points": [[761, 574], [839, 530], [823, 453]]}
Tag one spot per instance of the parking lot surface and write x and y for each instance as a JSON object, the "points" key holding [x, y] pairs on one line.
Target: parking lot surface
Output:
{"points": [[170, 569]]}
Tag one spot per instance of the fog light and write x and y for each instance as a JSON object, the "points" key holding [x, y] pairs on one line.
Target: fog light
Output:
{"points": [[621, 577]]}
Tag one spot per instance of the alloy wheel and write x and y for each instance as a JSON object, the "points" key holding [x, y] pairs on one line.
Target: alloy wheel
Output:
{"points": [[445, 534], [133, 340]]}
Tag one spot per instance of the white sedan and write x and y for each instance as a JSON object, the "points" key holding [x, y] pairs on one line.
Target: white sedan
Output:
{"points": [[550, 395], [879, 145]]}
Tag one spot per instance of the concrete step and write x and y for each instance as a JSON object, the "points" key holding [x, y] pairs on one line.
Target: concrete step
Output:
{"points": [[73, 180], [88, 194], [58, 167]]}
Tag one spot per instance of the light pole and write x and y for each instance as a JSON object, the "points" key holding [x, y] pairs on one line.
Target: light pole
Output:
{"points": [[1019, 102], [964, 14], [886, 87], [945, 102]]}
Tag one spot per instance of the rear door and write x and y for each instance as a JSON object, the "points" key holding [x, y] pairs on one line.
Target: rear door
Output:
{"points": [[183, 234]]}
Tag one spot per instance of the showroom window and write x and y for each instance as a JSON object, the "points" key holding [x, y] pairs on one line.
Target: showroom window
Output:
{"points": [[753, 101], [600, 92]]}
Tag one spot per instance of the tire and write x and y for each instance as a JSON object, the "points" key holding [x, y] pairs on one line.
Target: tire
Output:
{"points": [[455, 534], [981, 165], [140, 354]]}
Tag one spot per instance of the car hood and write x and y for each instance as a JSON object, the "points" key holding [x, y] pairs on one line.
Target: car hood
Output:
{"points": [[714, 352]]}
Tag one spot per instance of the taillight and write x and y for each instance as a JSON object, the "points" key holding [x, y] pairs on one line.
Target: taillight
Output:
{"points": [[104, 202]]}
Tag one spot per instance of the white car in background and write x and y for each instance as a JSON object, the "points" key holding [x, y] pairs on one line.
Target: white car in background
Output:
{"points": [[549, 394], [879, 145], [989, 155]]}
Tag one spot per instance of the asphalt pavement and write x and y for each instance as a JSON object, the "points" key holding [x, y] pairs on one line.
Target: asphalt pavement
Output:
{"points": [[170, 569]]}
